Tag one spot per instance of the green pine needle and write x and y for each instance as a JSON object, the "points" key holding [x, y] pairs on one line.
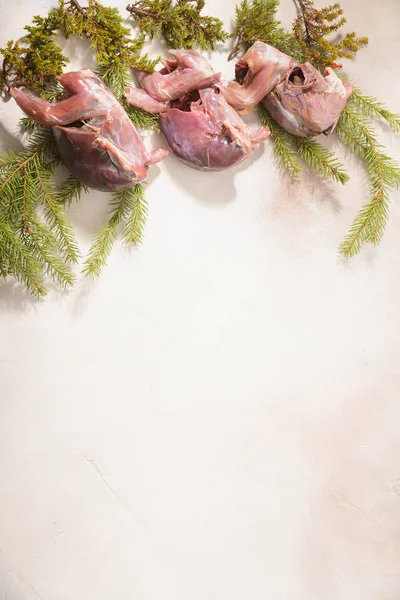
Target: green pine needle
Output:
{"points": [[355, 132], [16, 260], [285, 151], [371, 107], [179, 22], [290, 149], [70, 190], [256, 21], [136, 221], [322, 160], [26, 189], [56, 217], [128, 206]]}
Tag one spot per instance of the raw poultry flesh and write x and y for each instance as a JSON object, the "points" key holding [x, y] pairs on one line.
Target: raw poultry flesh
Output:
{"points": [[306, 103], [97, 141], [206, 133], [258, 72], [298, 97], [187, 71], [201, 128]]}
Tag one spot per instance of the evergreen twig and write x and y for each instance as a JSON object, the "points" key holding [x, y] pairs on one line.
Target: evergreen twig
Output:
{"points": [[36, 59], [322, 160], [312, 29], [16, 260], [26, 189], [128, 206], [116, 51], [290, 149], [373, 108], [255, 20], [283, 142], [355, 132], [180, 23]]}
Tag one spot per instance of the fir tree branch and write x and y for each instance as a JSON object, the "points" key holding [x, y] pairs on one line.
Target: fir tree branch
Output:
{"points": [[17, 261], [42, 242], [283, 142], [322, 160], [180, 23], [56, 217], [373, 108], [128, 206], [256, 21], [25, 186], [136, 221], [355, 132], [71, 189]]}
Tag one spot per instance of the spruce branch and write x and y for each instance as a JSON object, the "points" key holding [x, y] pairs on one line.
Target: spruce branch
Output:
{"points": [[373, 108], [41, 240], [290, 149], [322, 160], [71, 189], [17, 261], [55, 216], [180, 23], [136, 221], [256, 21], [283, 142], [128, 206], [26, 189], [356, 133]]}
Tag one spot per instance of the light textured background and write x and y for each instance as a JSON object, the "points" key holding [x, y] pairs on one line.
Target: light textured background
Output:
{"points": [[218, 416]]}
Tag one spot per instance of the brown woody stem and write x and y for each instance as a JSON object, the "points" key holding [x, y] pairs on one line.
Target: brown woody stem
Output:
{"points": [[75, 4], [135, 10]]}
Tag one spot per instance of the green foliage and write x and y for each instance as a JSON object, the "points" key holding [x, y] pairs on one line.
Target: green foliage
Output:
{"points": [[104, 27], [283, 142], [312, 29], [36, 236], [116, 51], [322, 160], [256, 21], [36, 59], [128, 206], [291, 151], [70, 190], [36, 231], [355, 131], [180, 23], [16, 260], [371, 107]]}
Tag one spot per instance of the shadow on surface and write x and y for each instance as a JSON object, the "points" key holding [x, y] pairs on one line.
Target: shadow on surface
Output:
{"points": [[14, 298], [213, 188], [9, 141]]}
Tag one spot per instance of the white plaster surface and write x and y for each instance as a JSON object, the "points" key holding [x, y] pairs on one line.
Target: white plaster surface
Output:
{"points": [[218, 416]]}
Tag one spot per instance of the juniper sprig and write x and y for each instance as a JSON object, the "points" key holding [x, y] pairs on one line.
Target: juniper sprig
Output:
{"points": [[180, 23]]}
